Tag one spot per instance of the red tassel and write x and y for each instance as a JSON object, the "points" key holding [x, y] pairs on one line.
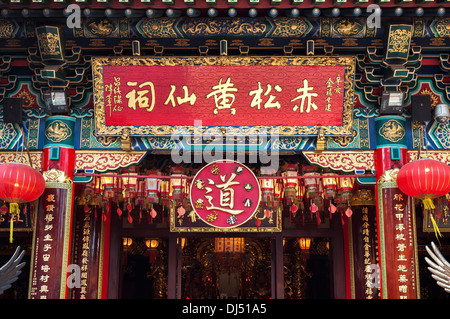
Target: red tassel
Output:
{"points": [[257, 223], [348, 212]]}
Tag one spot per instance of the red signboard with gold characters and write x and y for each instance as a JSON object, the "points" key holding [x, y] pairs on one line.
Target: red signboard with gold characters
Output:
{"points": [[153, 95], [225, 194]]}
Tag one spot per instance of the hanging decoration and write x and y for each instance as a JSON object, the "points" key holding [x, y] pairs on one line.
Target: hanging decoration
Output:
{"points": [[424, 179], [177, 185], [290, 184], [329, 184], [135, 194], [19, 183], [130, 183], [314, 191], [107, 183], [345, 187], [152, 186], [267, 186]]}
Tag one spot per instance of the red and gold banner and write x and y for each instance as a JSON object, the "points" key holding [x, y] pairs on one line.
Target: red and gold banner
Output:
{"points": [[87, 251], [397, 242], [363, 248], [147, 93], [51, 243]]}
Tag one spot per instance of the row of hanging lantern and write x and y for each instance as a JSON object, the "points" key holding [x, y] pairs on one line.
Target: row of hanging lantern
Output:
{"points": [[128, 188], [314, 188]]}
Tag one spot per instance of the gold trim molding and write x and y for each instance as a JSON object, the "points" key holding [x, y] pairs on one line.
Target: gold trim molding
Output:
{"points": [[22, 157], [347, 161], [442, 156], [102, 161], [166, 130]]}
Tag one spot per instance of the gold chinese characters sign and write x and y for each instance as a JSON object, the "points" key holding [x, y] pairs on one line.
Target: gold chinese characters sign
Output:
{"points": [[168, 95], [398, 255], [225, 196], [51, 238]]}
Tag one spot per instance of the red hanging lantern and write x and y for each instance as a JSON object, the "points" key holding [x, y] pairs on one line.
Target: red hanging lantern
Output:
{"points": [[345, 187], [177, 185], [19, 183], [130, 182], [152, 186], [424, 179], [329, 184], [290, 184], [267, 185], [108, 185]]}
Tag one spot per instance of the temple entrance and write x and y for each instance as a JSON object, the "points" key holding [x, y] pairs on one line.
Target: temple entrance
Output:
{"points": [[143, 272], [226, 268]]}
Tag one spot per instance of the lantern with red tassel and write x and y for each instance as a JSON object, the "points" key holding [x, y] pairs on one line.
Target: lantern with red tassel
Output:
{"points": [[277, 194], [267, 185], [118, 189], [290, 184], [164, 190], [140, 193], [311, 184], [424, 179], [329, 184], [108, 186], [19, 183], [152, 187], [345, 187], [177, 185], [89, 189], [130, 182]]}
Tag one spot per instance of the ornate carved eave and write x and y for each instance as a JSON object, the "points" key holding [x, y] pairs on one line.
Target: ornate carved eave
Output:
{"points": [[348, 161], [351, 161], [100, 161]]}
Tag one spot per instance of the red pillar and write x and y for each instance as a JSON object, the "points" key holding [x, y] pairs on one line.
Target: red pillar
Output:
{"points": [[395, 213], [53, 223]]}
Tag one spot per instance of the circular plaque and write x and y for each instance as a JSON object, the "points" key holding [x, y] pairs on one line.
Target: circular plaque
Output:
{"points": [[225, 194]]}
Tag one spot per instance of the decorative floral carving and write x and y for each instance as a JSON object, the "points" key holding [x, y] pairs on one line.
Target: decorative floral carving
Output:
{"points": [[103, 161], [348, 161], [399, 41], [389, 176], [49, 43], [22, 157], [56, 176], [443, 156]]}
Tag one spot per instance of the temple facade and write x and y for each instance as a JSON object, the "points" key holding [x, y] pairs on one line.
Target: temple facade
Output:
{"points": [[221, 149]]}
